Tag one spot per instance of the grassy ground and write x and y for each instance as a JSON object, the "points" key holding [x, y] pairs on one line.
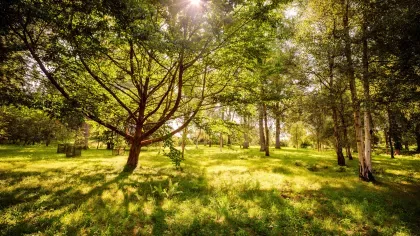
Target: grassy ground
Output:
{"points": [[234, 192]]}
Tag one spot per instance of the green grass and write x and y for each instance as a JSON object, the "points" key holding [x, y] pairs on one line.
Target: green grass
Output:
{"points": [[234, 192]]}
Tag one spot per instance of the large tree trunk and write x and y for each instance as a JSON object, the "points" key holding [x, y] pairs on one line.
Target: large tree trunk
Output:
{"points": [[267, 134], [133, 155], [261, 127], [278, 132], [338, 143], [135, 148], [364, 172]]}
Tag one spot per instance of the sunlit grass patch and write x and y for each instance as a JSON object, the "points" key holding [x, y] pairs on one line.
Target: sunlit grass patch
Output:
{"points": [[231, 192]]}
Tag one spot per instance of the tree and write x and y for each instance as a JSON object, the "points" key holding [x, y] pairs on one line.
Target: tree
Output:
{"points": [[142, 61]]}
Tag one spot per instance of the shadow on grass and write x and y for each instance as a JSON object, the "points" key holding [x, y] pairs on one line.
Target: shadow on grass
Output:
{"points": [[97, 204], [107, 201]]}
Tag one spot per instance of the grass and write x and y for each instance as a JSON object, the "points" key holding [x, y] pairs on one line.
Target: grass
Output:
{"points": [[234, 192]]}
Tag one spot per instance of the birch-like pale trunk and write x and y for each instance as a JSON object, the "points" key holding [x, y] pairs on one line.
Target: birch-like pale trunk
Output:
{"points": [[367, 172], [363, 168]]}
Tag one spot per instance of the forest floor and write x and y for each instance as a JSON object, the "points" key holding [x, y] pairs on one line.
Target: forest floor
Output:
{"points": [[233, 192]]}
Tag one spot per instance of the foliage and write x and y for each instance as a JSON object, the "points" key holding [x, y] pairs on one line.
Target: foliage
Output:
{"points": [[168, 192], [174, 154], [22, 125]]}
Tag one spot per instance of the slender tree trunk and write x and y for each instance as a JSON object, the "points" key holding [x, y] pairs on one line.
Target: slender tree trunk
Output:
{"points": [[338, 143], [367, 116], [344, 127], [347, 144], [86, 135], [278, 132], [221, 134], [318, 144], [390, 132], [47, 143], [364, 172], [229, 118], [184, 141], [198, 137], [246, 136], [221, 141], [417, 130], [386, 141], [261, 128], [391, 147], [267, 134], [246, 142]]}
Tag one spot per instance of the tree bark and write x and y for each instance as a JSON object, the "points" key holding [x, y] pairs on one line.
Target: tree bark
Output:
{"points": [[338, 143], [391, 146], [364, 172], [246, 135], [86, 135], [198, 137], [344, 127], [221, 134], [347, 144], [133, 155], [367, 171], [221, 141], [278, 132], [261, 128], [184, 141], [417, 130], [390, 132], [267, 134]]}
